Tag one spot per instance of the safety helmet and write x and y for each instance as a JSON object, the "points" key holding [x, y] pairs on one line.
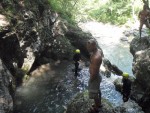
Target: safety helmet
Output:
{"points": [[77, 51], [125, 75]]}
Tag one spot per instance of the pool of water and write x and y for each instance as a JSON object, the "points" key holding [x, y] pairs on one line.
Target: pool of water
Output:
{"points": [[52, 95]]}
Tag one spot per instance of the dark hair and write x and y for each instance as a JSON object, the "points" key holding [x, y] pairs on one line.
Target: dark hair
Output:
{"points": [[92, 41]]}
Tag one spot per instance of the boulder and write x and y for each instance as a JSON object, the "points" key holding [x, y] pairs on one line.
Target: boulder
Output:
{"points": [[6, 93], [78, 38], [118, 84], [129, 107], [139, 44], [141, 69], [81, 103]]}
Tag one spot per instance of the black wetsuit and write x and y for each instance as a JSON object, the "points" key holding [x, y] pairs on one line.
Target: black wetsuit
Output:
{"points": [[76, 58], [126, 89]]}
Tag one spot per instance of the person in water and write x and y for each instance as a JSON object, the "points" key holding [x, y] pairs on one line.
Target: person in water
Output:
{"points": [[95, 78], [76, 59], [126, 89]]}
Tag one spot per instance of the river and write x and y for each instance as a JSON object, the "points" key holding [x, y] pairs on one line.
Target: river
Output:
{"points": [[50, 91]]}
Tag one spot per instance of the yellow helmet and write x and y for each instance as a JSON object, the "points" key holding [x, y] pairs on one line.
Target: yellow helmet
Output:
{"points": [[77, 51], [125, 75]]}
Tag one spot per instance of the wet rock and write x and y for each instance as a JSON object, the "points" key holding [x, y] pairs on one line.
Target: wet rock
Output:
{"points": [[111, 68], [6, 103], [141, 67], [131, 32], [10, 51], [118, 84], [139, 44], [81, 104], [124, 38], [78, 38], [141, 52], [129, 107]]}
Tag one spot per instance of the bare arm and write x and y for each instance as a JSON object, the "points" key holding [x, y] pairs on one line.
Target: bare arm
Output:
{"points": [[139, 15]]}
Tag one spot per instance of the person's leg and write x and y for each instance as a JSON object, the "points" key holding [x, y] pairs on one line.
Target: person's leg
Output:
{"points": [[76, 68], [97, 100], [125, 97], [100, 98], [140, 28]]}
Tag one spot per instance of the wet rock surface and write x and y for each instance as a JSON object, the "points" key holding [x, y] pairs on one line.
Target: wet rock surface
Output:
{"points": [[141, 52], [6, 91], [81, 103], [129, 107]]}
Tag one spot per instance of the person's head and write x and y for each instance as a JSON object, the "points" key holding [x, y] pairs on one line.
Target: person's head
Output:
{"points": [[145, 7], [125, 75], [77, 51], [91, 45]]}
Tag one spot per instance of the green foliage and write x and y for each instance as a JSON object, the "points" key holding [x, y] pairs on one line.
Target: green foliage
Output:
{"points": [[65, 8], [114, 11]]}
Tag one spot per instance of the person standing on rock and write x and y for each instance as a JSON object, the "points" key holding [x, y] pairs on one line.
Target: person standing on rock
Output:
{"points": [[144, 17], [95, 78], [76, 59]]}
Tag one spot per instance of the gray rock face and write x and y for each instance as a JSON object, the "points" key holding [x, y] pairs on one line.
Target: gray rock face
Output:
{"points": [[141, 69], [6, 102], [129, 107], [118, 84], [78, 38], [139, 44], [81, 103]]}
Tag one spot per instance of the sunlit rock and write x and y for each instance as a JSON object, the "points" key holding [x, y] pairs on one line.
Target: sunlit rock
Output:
{"points": [[3, 21]]}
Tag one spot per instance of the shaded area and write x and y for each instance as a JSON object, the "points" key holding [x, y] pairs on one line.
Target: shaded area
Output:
{"points": [[50, 93]]}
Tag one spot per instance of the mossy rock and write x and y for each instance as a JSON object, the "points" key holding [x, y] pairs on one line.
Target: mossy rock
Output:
{"points": [[81, 103]]}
